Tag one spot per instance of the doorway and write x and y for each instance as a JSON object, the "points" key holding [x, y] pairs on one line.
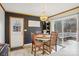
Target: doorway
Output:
{"points": [[67, 28], [16, 32]]}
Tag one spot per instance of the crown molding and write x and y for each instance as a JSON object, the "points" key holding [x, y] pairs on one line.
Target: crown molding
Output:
{"points": [[21, 13], [2, 7], [64, 11]]}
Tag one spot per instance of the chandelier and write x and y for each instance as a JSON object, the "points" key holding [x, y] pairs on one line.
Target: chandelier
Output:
{"points": [[43, 16]]}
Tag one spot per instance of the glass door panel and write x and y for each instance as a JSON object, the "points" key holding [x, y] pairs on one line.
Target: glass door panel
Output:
{"points": [[70, 27], [58, 29]]}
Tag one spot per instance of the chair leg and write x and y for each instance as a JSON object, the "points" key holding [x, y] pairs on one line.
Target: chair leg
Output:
{"points": [[50, 50], [32, 49], [55, 47], [35, 52], [43, 49]]}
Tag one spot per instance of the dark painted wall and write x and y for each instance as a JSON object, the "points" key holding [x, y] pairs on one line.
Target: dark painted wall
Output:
{"points": [[27, 34]]}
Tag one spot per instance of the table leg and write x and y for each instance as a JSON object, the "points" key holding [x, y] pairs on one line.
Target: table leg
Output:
{"points": [[43, 48]]}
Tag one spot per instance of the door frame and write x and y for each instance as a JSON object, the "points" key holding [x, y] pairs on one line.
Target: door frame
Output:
{"points": [[10, 32]]}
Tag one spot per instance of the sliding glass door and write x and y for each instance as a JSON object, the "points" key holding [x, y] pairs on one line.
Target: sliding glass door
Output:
{"points": [[67, 28], [70, 29]]}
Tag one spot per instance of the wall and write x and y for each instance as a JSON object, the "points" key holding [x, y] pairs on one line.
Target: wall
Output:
{"points": [[27, 34], [2, 26]]}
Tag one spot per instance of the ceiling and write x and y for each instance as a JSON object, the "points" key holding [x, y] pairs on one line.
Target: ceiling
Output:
{"points": [[37, 9]]}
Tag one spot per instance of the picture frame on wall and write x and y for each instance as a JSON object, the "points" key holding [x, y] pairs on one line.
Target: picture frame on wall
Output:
{"points": [[33, 23]]}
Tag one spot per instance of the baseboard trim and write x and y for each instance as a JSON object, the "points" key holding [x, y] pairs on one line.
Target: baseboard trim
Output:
{"points": [[27, 44], [24, 44], [16, 48]]}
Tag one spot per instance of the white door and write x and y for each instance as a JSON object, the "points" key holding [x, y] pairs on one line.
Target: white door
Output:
{"points": [[16, 32]]}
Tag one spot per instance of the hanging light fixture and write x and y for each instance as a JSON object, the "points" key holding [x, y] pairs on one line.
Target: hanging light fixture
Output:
{"points": [[43, 17]]}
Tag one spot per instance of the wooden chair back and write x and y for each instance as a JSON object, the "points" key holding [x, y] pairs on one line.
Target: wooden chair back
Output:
{"points": [[34, 36], [53, 38]]}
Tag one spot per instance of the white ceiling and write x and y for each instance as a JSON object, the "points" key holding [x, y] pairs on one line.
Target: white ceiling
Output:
{"points": [[38, 8]]}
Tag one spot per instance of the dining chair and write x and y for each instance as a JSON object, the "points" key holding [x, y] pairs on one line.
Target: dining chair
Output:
{"points": [[36, 45], [51, 44]]}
